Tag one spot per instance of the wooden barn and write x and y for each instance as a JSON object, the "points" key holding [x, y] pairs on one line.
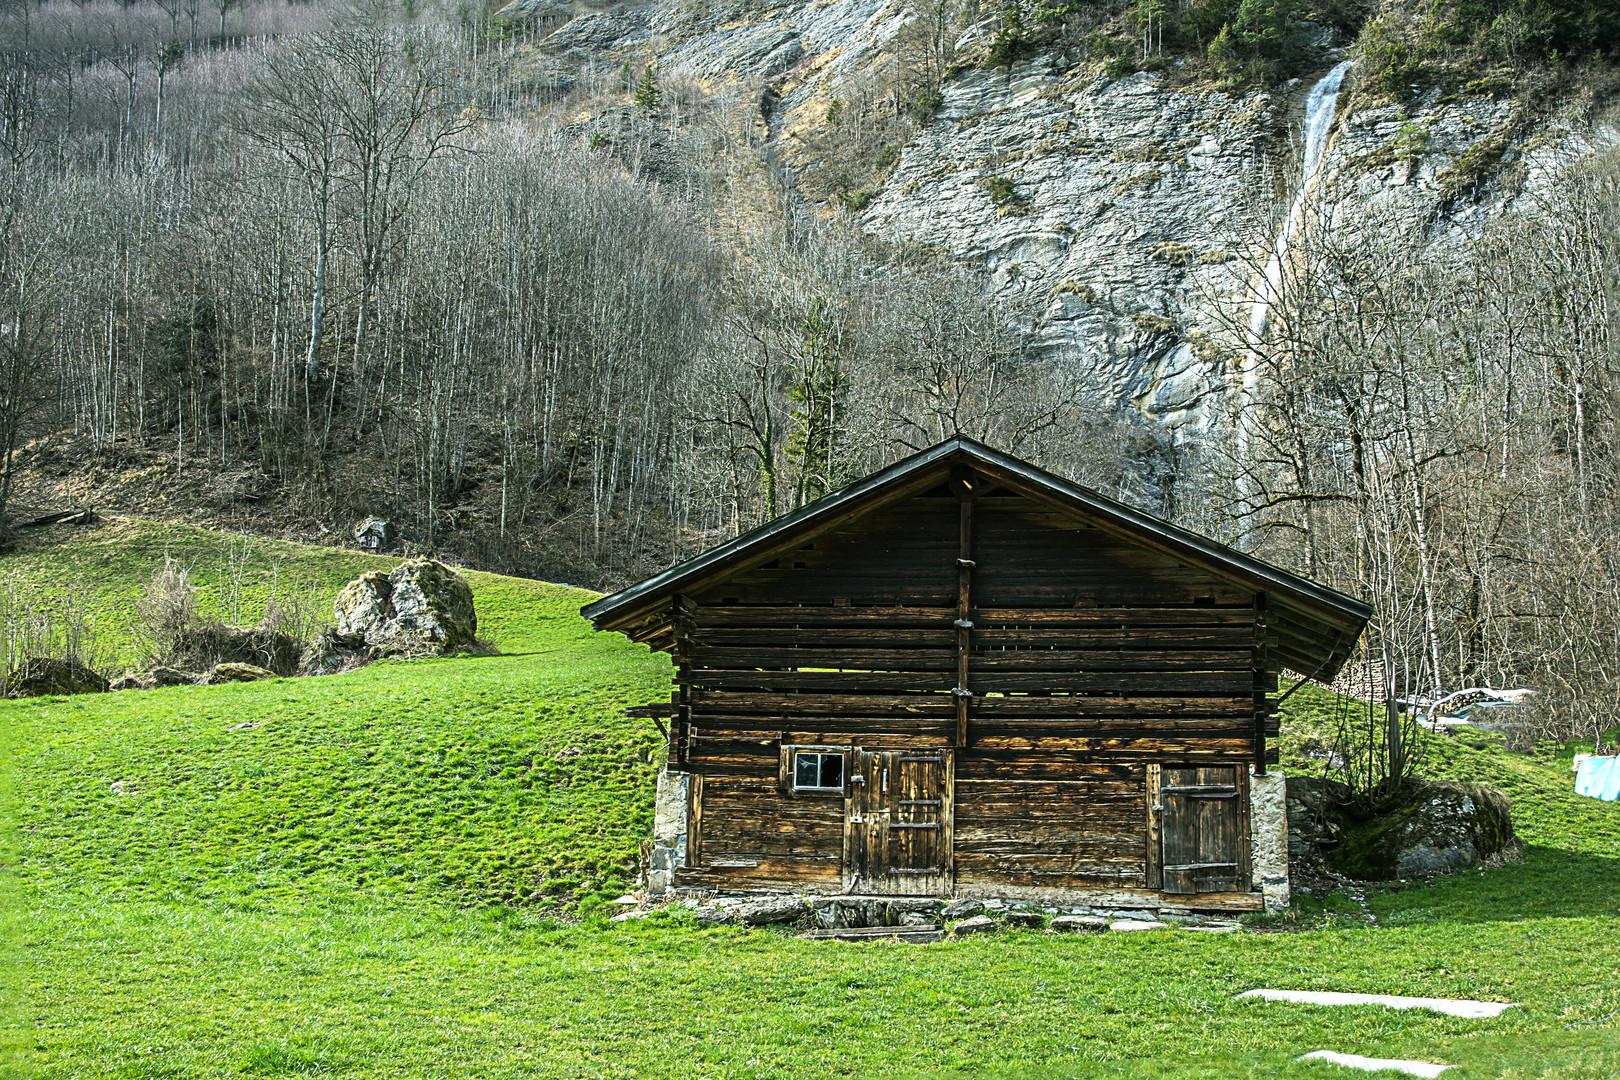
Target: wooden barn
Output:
{"points": [[964, 676]]}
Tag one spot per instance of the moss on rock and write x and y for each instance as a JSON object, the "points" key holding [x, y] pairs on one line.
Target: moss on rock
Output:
{"points": [[1427, 828], [421, 603]]}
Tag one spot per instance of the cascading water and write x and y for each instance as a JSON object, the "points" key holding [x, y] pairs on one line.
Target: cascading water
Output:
{"points": [[1319, 109]]}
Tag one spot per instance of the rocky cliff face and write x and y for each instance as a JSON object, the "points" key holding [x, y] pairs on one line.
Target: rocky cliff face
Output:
{"points": [[1129, 219]]}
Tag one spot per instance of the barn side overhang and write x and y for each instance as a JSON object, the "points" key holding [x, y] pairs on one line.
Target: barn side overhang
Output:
{"points": [[1315, 627]]}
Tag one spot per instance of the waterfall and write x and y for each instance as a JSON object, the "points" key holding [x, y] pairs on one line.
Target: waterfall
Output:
{"points": [[1319, 108]]}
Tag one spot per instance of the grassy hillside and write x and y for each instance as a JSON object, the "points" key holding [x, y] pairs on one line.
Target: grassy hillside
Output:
{"points": [[494, 778], [399, 871], [102, 572]]}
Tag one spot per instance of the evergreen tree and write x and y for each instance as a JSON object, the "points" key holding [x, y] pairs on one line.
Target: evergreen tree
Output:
{"points": [[1263, 25], [1224, 58], [647, 92]]}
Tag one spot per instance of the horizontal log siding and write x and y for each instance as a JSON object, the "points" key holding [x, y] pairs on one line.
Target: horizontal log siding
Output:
{"points": [[755, 834], [1067, 824], [1090, 658]]}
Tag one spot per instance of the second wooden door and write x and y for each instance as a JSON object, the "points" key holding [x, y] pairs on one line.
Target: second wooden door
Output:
{"points": [[1205, 828], [898, 831]]}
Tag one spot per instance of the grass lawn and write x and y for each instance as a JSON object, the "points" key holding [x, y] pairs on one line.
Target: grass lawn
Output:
{"points": [[399, 872]]}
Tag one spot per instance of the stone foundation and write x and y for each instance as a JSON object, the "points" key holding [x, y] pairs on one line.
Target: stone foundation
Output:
{"points": [[669, 831], [863, 912], [1268, 837]]}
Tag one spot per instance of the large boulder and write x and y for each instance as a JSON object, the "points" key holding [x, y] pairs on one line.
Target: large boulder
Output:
{"points": [[229, 673], [164, 675], [421, 606], [1428, 828], [41, 676], [131, 680]]}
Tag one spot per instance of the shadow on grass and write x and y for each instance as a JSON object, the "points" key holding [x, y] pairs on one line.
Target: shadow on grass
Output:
{"points": [[1546, 883]]}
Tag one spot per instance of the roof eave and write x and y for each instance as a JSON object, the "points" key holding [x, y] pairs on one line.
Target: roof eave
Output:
{"points": [[1332, 606]]}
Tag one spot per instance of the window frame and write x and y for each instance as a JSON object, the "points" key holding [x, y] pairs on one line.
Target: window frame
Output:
{"points": [[790, 768]]}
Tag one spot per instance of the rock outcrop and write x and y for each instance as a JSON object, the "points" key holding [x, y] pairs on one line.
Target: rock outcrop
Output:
{"points": [[1126, 216], [422, 606], [1428, 828], [42, 676], [233, 673]]}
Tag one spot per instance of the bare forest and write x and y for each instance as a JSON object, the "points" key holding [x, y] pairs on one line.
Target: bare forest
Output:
{"points": [[318, 262]]}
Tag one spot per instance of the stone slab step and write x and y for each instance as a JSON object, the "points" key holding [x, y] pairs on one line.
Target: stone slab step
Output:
{"points": [[925, 933], [1369, 1064], [1475, 1010]]}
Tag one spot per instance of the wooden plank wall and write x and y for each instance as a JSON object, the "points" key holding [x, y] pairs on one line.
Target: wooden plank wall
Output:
{"points": [[1058, 821], [1090, 658]]}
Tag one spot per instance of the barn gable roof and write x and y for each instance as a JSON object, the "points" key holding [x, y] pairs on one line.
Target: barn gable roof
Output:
{"points": [[1317, 625]]}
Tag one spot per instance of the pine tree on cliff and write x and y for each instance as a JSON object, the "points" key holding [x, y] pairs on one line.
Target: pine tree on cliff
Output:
{"points": [[647, 92]]}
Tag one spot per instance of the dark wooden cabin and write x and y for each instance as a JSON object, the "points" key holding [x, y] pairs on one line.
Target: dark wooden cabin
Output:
{"points": [[965, 676]]}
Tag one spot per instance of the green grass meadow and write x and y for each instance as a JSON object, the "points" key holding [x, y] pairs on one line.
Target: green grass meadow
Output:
{"points": [[401, 872]]}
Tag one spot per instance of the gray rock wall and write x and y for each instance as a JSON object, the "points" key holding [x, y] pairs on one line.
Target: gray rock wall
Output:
{"points": [[1139, 213]]}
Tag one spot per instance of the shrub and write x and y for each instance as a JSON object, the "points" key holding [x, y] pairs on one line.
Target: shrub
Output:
{"points": [[170, 604], [1389, 67], [199, 648], [296, 615], [928, 100], [58, 630], [856, 201], [175, 635], [1411, 141], [1000, 189], [1012, 40]]}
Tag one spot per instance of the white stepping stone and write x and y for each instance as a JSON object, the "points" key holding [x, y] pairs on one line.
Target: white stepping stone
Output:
{"points": [[1474, 1010], [1126, 925], [631, 916], [1356, 1061]]}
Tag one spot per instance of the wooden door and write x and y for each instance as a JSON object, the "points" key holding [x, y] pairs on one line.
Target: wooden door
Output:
{"points": [[1205, 829], [898, 830]]}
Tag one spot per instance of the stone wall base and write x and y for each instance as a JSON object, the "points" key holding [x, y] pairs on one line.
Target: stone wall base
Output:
{"points": [[669, 831], [1268, 838]]}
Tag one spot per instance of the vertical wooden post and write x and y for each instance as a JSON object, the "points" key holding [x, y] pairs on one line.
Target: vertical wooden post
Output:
{"points": [[1260, 707], [963, 481], [681, 614], [680, 723], [1155, 841]]}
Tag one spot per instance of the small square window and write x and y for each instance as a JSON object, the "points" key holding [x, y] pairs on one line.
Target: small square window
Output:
{"points": [[818, 772]]}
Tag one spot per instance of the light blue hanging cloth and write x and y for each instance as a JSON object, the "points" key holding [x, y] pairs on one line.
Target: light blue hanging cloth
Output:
{"points": [[1599, 777]]}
